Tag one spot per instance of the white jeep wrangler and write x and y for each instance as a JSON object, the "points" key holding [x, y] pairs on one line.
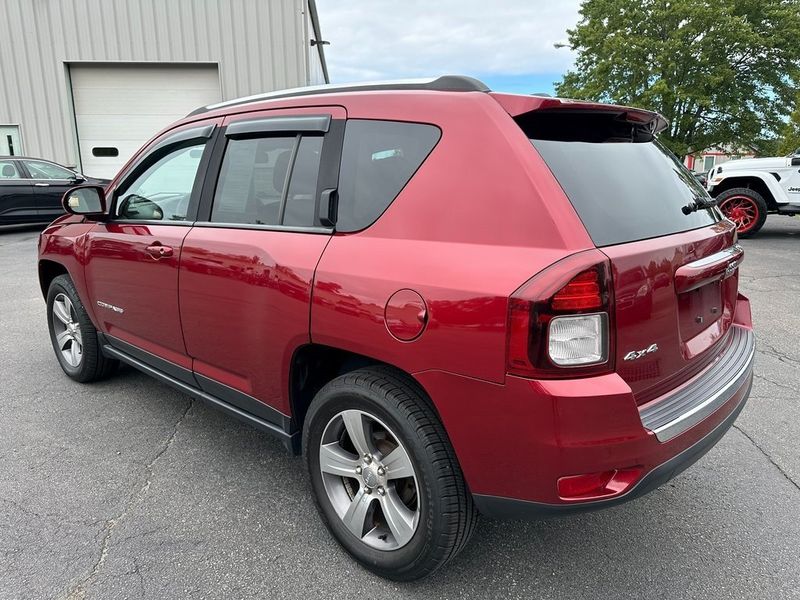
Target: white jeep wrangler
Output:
{"points": [[747, 189]]}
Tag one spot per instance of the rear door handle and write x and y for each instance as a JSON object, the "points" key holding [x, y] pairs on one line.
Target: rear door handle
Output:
{"points": [[711, 268], [42, 184], [158, 251]]}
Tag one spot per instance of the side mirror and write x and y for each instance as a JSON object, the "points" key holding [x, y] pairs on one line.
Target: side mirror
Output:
{"points": [[86, 201], [795, 160], [77, 178], [140, 208]]}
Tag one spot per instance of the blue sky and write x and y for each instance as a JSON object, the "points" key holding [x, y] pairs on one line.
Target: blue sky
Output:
{"points": [[509, 44], [521, 84]]}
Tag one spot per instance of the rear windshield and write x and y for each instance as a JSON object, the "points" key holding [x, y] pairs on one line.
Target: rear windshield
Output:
{"points": [[625, 191]]}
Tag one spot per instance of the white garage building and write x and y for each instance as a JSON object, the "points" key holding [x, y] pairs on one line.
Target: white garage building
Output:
{"points": [[86, 82]]}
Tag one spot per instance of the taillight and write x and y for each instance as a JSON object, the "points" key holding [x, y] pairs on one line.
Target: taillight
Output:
{"points": [[581, 293], [560, 321], [578, 340]]}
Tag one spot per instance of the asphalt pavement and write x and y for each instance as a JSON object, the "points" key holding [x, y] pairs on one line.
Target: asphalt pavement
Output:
{"points": [[128, 489]]}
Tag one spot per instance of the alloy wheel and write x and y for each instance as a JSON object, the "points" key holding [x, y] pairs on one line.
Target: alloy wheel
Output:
{"points": [[742, 210], [67, 330], [369, 480]]}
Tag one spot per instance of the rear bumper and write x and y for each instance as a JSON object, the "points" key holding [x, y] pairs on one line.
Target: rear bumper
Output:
{"points": [[702, 396], [509, 508], [515, 441]]}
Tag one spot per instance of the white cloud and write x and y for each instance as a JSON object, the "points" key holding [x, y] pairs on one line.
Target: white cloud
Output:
{"points": [[379, 39]]}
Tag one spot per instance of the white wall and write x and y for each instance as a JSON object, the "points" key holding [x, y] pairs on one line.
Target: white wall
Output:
{"points": [[316, 74], [259, 46]]}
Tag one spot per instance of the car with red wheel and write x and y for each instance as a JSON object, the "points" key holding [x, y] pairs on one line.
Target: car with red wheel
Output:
{"points": [[748, 189], [450, 301]]}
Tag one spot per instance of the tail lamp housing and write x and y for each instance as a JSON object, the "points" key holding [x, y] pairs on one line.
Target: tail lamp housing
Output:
{"points": [[560, 322]]}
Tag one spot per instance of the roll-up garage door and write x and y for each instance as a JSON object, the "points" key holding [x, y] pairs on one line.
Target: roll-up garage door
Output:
{"points": [[118, 107]]}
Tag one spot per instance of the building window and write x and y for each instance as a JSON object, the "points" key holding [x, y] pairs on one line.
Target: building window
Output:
{"points": [[10, 144]]}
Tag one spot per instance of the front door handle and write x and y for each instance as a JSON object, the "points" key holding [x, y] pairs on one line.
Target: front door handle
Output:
{"points": [[158, 251], [42, 184]]}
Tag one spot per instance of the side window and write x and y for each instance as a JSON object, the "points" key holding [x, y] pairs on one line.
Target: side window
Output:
{"points": [[378, 159], [251, 180], [163, 191], [253, 176], [301, 201], [43, 170], [8, 170]]}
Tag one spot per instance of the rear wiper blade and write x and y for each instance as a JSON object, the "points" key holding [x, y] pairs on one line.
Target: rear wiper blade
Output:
{"points": [[699, 202]]}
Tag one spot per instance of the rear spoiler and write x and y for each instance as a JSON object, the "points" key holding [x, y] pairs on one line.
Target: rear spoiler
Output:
{"points": [[517, 105]]}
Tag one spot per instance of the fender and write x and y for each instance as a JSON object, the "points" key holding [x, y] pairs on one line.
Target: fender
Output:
{"points": [[766, 177], [62, 243]]}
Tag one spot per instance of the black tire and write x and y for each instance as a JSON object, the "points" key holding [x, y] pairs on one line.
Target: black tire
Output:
{"points": [[758, 202], [93, 365], [447, 515]]}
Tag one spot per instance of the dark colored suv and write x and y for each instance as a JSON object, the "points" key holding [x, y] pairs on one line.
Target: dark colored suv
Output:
{"points": [[451, 301]]}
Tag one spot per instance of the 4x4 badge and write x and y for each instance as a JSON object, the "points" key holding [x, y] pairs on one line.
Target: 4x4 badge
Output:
{"points": [[634, 354]]}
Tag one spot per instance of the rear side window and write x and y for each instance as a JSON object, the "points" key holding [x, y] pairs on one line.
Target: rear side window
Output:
{"points": [[378, 160], [8, 170], [624, 186], [252, 181]]}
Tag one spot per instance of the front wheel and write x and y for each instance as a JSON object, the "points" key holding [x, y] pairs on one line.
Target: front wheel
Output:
{"points": [[745, 207], [385, 478], [73, 335]]}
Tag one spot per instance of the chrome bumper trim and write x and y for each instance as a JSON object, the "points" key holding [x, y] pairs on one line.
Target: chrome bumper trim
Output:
{"points": [[668, 417]]}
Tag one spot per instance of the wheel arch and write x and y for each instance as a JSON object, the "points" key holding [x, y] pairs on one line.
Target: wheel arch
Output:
{"points": [[314, 365], [763, 183], [49, 270]]}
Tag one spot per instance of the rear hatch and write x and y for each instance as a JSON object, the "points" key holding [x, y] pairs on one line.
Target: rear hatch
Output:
{"points": [[673, 257]]}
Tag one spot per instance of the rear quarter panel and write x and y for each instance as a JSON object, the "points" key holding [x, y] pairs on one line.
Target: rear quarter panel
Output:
{"points": [[480, 217]]}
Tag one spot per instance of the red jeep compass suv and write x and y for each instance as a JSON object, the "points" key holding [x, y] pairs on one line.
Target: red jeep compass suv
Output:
{"points": [[451, 301]]}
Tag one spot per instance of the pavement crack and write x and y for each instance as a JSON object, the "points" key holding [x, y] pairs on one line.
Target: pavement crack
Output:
{"points": [[767, 456], [23, 509], [775, 383], [137, 571], [774, 352], [38, 515], [80, 589]]}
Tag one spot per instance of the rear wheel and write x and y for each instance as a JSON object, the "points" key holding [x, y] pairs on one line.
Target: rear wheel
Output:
{"points": [[385, 477], [745, 207], [73, 335]]}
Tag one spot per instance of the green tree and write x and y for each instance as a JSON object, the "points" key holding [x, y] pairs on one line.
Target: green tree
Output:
{"points": [[790, 140], [721, 71]]}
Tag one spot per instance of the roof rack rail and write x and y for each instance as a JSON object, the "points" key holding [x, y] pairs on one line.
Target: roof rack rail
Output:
{"points": [[445, 83]]}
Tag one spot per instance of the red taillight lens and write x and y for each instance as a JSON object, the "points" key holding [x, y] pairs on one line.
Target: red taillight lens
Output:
{"points": [[577, 285], [519, 328], [581, 293]]}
